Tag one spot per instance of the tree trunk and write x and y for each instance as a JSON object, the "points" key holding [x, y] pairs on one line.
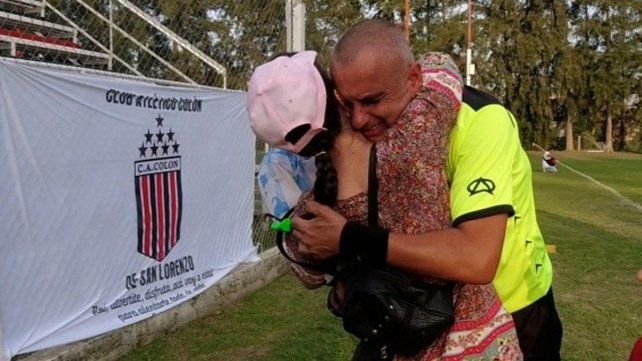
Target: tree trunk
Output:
{"points": [[608, 142], [569, 134], [620, 139]]}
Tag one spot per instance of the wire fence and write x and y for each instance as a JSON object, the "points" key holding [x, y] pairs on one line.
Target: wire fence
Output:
{"points": [[209, 42], [215, 43], [201, 43]]}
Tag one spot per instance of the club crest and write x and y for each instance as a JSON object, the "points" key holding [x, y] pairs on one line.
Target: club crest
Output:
{"points": [[159, 197]]}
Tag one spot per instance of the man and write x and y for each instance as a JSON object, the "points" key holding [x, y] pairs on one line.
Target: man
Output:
{"points": [[549, 163], [495, 237]]}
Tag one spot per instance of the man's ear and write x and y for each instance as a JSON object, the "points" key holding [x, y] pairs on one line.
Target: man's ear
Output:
{"points": [[340, 102], [415, 78], [344, 112]]}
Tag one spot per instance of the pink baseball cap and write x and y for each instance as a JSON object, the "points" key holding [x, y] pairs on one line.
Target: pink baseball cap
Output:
{"points": [[283, 94]]}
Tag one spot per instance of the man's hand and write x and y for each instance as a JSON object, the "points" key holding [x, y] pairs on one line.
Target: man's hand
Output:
{"points": [[320, 235]]}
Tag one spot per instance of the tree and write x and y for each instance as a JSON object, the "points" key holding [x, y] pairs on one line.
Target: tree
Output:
{"points": [[553, 63], [609, 37], [518, 47]]}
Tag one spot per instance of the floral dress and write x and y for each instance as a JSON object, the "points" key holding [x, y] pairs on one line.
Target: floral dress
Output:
{"points": [[413, 198]]}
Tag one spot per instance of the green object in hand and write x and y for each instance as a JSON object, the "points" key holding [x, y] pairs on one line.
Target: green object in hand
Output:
{"points": [[284, 225]]}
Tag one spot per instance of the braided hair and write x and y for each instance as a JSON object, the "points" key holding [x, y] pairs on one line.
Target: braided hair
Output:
{"points": [[326, 185]]}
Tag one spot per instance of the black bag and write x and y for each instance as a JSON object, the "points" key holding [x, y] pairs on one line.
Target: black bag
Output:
{"points": [[390, 311], [389, 308]]}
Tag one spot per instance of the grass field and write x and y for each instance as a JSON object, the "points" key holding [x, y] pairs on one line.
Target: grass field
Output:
{"points": [[598, 238]]}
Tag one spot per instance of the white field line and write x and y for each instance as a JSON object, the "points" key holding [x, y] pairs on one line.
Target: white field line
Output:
{"points": [[616, 193]]}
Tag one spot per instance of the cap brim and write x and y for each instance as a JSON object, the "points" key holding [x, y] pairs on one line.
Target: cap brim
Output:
{"points": [[303, 141]]}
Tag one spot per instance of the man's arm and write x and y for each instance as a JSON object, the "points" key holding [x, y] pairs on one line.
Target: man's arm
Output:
{"points": [[468, 253], [481, 201]]}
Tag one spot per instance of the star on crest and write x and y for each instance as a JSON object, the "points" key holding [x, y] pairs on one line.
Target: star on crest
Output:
{"points": [[142, 150], [148, 136], [160, 135]]}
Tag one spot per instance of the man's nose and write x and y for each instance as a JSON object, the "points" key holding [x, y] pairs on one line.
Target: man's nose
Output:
{"points": [[359, 117]]}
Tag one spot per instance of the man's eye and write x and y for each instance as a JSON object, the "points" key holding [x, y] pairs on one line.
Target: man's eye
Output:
{"points": [[371, 101]]}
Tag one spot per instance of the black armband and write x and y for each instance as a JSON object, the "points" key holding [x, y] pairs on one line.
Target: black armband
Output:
{"points": [[363, 244]]}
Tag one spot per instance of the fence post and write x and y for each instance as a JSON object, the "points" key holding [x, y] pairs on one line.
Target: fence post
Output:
{"points": [[111, 35], [470, 67], [295, 25]]}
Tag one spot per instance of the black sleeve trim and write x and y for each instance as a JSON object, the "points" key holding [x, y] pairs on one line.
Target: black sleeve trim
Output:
{"points": [[503, 208]]}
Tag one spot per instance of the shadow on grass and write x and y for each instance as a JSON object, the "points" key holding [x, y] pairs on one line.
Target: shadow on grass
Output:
{"points": [[598, 297], [282, 321]]}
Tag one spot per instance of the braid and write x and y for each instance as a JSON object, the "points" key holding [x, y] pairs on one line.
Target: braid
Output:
{"points": [[326, 184]]}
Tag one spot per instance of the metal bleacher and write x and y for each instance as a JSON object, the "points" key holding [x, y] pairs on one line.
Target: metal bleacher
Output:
{"points": [[24, 35]]}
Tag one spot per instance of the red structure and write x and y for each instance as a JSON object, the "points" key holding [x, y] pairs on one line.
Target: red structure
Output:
{"points": [[24, 34]]}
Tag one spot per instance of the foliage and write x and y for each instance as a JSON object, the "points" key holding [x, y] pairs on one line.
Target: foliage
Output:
{"points": [[556, 64]]}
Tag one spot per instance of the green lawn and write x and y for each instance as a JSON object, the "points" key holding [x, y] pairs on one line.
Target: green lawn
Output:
{"points": [[599, 250], [599, 244]]}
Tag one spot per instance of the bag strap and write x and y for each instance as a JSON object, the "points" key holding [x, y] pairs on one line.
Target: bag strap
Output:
{"points": [[373, 189], [373, 210], [280, 238]]}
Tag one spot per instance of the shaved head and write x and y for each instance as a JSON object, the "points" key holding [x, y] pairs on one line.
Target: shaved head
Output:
{"points": [[373, 38], [375, 76]]}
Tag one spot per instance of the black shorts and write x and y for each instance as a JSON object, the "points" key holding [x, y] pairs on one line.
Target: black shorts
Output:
{"points": [[539, 330]]}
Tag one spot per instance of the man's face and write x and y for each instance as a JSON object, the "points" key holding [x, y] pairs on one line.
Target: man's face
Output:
{"points": [[375, 91]]}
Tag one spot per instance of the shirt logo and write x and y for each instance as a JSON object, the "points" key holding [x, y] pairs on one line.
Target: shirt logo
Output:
{"points": [[481, 185]]}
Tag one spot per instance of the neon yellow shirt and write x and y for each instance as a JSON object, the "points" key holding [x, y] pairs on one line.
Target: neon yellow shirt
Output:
{"points": [[489, 173]]}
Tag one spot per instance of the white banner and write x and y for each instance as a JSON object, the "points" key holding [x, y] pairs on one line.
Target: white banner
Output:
{"points": [[118, 200]]}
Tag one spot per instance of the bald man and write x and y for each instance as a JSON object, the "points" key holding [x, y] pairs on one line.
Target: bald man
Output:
{"points": [[494, 235]]}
